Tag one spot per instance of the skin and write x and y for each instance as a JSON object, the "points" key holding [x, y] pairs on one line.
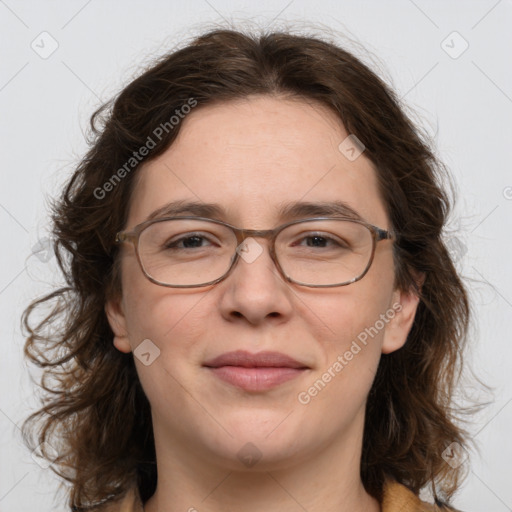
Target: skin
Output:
{"points": [[250, 156]]}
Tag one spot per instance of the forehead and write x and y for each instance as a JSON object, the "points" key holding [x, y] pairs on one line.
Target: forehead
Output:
{"points": [[252, 157]]}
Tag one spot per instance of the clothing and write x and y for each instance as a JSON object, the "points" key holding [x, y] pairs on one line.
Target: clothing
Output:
{"points": [[396, 498]]}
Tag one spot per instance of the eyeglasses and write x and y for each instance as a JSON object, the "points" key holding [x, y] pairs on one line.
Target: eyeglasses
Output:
{"points": [[188, 252]]}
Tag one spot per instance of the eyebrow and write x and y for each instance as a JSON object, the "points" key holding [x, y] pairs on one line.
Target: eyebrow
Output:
{"points": [[286, 211]]}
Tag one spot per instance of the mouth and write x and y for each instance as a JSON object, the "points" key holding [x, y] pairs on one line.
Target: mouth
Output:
{"points": [[255, 372]]}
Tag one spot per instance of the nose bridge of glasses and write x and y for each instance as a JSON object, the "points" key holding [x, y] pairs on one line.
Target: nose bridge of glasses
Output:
{"points": [[242, 234], [249, 252]]}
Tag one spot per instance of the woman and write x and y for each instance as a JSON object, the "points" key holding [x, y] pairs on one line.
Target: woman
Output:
{"points": [[260, 309]]}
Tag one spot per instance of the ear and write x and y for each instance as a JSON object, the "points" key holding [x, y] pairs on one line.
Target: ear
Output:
{"points": [[117, 321], [404, 304]]}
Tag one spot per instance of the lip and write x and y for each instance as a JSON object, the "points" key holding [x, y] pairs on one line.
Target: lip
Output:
{"points": [[255, 372]]}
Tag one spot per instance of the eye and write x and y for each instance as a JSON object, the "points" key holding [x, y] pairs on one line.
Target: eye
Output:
{"points": [[320, 240], [188, 241]]}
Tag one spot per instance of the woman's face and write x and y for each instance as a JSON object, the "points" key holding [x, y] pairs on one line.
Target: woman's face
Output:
{"points": [[251, 158]]}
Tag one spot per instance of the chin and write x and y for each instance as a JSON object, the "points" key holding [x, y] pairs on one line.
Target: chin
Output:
{"points": [[246, 455], [260, 442], [263, 425]]}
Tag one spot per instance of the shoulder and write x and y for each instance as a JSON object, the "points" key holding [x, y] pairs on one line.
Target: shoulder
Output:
{"points": [[399, 498], [396, 498], [129, 502]]}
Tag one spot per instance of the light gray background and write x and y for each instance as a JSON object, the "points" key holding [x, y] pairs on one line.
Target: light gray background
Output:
{"points": [[464, 102]]}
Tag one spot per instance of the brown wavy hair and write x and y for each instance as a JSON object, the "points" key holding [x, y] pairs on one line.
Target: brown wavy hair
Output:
{"points": [[95, 413]]}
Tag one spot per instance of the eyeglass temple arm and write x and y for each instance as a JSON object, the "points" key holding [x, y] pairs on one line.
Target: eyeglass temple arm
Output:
{"points": [[382, 234], [125, 236]]}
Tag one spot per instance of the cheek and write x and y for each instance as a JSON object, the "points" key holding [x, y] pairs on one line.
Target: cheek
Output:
{"points": [[169, 326], [172, 320], [355, 318], [338, 390], [346, 312], [356, 327], [147, 308]]}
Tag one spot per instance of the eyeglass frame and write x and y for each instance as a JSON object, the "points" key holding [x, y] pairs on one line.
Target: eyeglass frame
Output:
{"points": [[133, 236]]}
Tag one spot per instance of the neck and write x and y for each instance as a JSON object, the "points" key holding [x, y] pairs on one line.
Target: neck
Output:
{"points": [[327, 481]]}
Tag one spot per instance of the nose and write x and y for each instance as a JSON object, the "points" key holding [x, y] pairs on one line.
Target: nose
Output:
{"points": [[255, 290]]}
